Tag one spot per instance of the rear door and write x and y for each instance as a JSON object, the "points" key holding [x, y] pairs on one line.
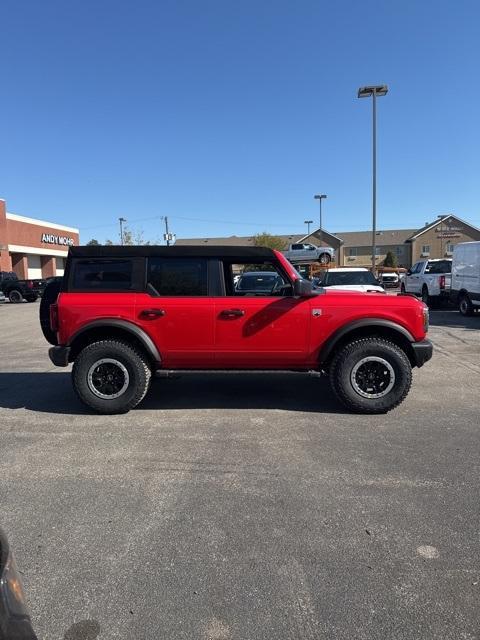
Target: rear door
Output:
{"points": [[177, 312], [267, 330]]}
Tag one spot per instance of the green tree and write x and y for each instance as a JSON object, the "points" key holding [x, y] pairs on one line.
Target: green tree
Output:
{"points": [[266, 239], [390, 260], [93, 241], [134, 237]]}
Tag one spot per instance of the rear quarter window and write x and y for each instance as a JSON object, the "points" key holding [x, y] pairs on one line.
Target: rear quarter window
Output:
{"points": [[102, 275]]}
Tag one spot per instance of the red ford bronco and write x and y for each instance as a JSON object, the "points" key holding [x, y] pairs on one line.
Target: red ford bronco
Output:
{"points": [[123, 313]]}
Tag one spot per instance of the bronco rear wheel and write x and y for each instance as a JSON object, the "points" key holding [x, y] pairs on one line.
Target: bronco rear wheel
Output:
{"points": [[111, 376], [371, 375]]}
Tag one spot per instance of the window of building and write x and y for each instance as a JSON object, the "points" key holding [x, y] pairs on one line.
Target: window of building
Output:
{"points": [[104, 275], [178, 276], [399, 250], [378, 251], [449, 247], [353, 252], [425, 250]]}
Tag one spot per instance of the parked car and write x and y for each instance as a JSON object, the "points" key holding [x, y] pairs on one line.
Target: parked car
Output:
{"points": [[429, 279], [15, 622], [465, 289], [350, 279], [2, 297], [259, 283], [389, 279], [179, 310], [300, 252], [17, 290]]}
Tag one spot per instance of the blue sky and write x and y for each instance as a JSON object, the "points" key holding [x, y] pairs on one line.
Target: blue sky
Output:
{"points": [[228, 116]]}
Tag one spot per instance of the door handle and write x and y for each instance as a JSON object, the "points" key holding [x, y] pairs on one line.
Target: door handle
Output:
{"points": [[232, 313], [151, 314]]}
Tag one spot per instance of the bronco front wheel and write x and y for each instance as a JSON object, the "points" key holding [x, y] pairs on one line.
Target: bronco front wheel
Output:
{"points": [[371, 375], [111, 376]]}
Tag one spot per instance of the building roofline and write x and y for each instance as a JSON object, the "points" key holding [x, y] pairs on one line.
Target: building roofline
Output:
{"points": [[322, 231], [437, 222], [40, 223]]}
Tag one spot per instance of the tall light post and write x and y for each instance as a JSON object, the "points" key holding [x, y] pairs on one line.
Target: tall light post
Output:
{"points": [[365, 92], [121, 220], [308, 223], [320, 197]]}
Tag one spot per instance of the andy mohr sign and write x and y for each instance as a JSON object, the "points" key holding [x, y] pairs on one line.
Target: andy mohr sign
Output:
{"points": [[50, 238]]}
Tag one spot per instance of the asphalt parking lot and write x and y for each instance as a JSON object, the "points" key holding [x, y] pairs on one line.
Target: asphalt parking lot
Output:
{"points": [[244, 507]]}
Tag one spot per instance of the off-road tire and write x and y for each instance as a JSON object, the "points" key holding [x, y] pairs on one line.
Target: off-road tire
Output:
{"points": [[465, 305], [15, 296], [136, 364], [324, 258], [351, 354], [49, 297]]}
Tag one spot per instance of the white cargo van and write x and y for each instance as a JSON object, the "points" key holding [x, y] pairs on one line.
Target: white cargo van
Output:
{"points": [[465, 289]]}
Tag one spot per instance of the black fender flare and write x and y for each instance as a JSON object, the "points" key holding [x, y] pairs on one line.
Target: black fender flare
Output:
{"points": [[125, 325], [364, 323]]}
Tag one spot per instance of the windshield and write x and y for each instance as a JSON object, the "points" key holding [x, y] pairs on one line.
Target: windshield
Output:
{"points": [[342, 278], [257, 283]]}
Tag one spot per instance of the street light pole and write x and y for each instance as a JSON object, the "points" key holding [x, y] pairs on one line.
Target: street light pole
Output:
{"points": [[121, 220], [308, 223], [365, 92], [320, 197]]}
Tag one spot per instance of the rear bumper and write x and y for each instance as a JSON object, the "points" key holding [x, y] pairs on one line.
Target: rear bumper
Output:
{"points": [[422, 352], [59, 355]]}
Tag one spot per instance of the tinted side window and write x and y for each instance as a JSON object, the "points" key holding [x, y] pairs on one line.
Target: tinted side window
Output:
{"points": [[178, 276], [102, 274], [442, 266]]}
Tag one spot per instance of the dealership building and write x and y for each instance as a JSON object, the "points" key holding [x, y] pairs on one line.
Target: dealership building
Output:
{"points": [[33, 248]]}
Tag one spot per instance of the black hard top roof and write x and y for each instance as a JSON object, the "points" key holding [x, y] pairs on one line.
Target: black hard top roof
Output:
{"points": [[117, 251]]}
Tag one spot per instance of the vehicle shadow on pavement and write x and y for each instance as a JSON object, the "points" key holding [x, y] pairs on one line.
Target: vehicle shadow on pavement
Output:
{"points": [[452, 318], [52, 392]]}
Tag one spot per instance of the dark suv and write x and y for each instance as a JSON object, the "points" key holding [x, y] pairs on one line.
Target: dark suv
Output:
{"points": [[123, 313]]}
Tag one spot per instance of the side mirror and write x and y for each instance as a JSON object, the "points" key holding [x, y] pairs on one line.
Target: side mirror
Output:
{"points": [[302, 289], [409, 273]]}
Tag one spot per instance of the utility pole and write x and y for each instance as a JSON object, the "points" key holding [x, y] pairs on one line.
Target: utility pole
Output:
{"points": [[121, 220], [167, 236]]}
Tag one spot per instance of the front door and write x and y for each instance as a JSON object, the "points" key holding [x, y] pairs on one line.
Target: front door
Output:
{"points": [[255, 325], [261, 332], [177, 312]]}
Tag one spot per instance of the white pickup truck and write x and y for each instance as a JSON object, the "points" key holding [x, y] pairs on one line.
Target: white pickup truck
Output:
{"points": [[430, 279], [303, 252]]}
